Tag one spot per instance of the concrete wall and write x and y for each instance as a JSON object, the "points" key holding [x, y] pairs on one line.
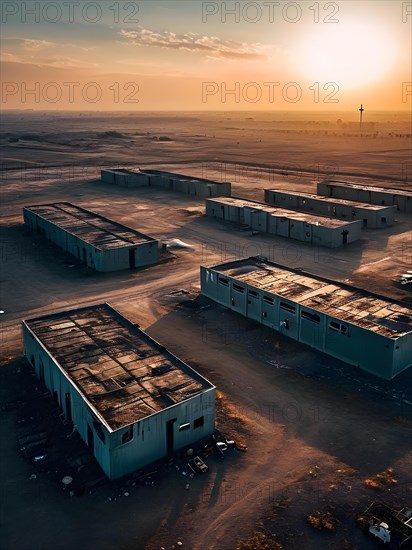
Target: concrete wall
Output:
{"points": [[149, 439], [385, 197], [68, 397], [261, 219], [333, 237], [171, 182], [105, 260], [381, 356], [107, 176], [190, 186], [371, 218], [223, 211], [125, 178]]}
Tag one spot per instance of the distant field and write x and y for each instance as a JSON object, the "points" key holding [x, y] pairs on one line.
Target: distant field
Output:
{"points": [[318, 143]]}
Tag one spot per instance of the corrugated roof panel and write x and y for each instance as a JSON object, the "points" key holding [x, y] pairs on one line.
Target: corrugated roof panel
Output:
{"points": [[376, 313], [88, 226], [115, 365]]}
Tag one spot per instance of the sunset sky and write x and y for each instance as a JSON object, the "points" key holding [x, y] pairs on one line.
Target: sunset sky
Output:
{"points": [[193, 55]]}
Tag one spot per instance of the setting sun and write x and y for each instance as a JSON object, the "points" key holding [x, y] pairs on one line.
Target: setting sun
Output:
{"points": [[351, 54]]}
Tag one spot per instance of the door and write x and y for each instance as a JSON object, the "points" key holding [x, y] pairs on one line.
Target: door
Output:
{"points": [[90, 439], [170, 435], [311, 328], [288, 324], [68, 407], [132, 258]]}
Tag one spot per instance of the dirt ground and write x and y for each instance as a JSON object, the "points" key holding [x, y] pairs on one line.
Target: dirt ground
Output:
{"points": [[315, 428]]}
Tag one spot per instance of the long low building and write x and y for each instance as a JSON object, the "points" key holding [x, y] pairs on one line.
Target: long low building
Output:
{"points": [[364, 329], [132, 401], [101, 244], [371, 215], [127, 178], [400, 198], [170, 181], [315, 230]]}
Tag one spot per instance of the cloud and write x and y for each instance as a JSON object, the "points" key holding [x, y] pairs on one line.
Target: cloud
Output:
{"points": [[42, 53], [211, 46], [35, 45]]}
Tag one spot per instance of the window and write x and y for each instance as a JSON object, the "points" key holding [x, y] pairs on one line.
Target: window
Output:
{"points": [[127, 435], [199, 422], [223, 282], [268, 300], [310, 316], [287, 307], [184, 427], [238, 288], [338, 327]]}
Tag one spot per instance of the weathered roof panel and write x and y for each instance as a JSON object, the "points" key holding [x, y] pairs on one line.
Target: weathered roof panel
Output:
{"points": [[318, 219], [389, 190], [367, 310], [117, 367], [92, 228], [331, 200]]}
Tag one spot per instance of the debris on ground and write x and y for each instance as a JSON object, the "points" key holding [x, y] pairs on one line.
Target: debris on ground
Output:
{"points": [[321, 520], [381, 479], [259, 540]]}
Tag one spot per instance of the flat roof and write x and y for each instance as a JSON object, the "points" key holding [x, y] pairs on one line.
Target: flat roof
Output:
{"points": [[121, 171], [305, 217], [91, 228], [370, 311], [122, 373], [352, 204], [389, 190]]}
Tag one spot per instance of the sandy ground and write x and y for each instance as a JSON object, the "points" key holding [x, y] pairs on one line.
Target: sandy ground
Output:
{"points": [[298, 411]]}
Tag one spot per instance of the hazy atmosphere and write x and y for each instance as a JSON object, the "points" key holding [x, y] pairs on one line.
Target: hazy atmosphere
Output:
{"points": [[193, 55], [205, 291]]}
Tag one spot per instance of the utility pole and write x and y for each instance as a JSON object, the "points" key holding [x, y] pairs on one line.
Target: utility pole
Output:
{"points": [[360, 118]]}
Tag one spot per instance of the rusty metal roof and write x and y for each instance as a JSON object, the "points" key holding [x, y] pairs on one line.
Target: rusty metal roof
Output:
{"points": [[91, 228], [389, 190], [305, 217], [331, 200], [123, 373], [370, 311]]}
